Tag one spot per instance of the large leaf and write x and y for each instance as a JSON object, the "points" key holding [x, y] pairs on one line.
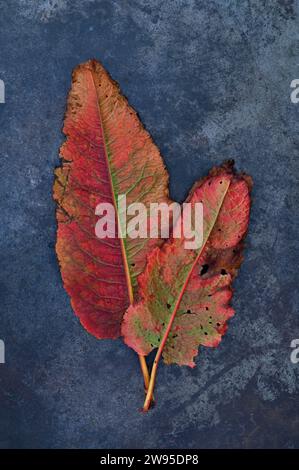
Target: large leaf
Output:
{"points": [[107, 153], [186, 293]]}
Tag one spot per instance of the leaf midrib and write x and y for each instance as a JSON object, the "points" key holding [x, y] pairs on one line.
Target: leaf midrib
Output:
{"points": [[183, 289], [122, 241]]}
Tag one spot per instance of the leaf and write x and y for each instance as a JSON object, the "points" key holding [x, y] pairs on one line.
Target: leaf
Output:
{"points": [[186, 293], [107, 153]]}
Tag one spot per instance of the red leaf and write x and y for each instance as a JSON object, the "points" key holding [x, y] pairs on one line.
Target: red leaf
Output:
{"points": [[107, 153], [186, 292]]}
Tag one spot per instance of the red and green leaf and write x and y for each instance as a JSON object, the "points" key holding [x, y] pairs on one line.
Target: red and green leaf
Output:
{"points": [[180, 299], [186, 292], [107, 153]]}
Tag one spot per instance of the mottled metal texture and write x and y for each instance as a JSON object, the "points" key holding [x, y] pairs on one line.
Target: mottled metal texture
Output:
{"points": [[210, 80]]}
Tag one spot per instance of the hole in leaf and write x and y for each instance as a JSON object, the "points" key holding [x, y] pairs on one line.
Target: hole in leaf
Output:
{"points": [[168, 305], [188, 311], [207, 308], [204, 269], [206, 333]]}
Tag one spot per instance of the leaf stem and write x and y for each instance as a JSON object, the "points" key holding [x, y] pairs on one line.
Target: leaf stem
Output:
{"points": [[149, 396], [150, 391], [145, 373], [151, 386]]}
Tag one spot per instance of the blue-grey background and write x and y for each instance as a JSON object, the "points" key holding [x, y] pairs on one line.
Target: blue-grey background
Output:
{"points": [[210, 80]]}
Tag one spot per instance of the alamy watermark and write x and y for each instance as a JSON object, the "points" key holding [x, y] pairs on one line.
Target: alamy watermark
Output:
{"points": [[2, 92], [2, 352], [295, 353], [138, 221], [294, 96]]}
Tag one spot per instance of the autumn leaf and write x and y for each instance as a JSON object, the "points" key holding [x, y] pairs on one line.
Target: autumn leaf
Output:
{"points": [[186, 292], [107, 153], [181, 298]]}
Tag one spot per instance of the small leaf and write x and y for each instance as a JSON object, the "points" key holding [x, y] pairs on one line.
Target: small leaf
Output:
{"points": [[107, 153], [186, 292]]}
